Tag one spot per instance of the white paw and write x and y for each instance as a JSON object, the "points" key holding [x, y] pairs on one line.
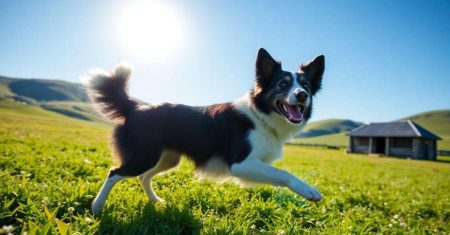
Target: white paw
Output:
{"points": [[306, 191], [157, 199], [96, 207]]}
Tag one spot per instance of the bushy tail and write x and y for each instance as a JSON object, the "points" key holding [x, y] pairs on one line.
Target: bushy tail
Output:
{"points": [[108, 90]]}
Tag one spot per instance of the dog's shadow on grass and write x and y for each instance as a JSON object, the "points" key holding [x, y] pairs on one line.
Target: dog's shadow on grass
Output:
{"points": [[149, 218]]}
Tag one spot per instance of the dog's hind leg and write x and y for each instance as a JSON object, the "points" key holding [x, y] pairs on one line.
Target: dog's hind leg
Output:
{"points": [[100, 199], [167, 160]]}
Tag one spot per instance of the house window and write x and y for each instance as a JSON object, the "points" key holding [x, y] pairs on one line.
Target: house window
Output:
{"points": [[362, 141], [401, 143]]}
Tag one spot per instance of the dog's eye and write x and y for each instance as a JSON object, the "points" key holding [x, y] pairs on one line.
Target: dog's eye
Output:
{"points": [[305, 84], [282, 84]]}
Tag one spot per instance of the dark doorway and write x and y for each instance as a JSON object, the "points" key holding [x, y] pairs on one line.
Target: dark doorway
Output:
{"points": [[426, 154], [379, 145]]}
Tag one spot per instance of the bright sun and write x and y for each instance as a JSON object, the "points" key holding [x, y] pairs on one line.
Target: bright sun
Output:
{"points": [[150, 29]]}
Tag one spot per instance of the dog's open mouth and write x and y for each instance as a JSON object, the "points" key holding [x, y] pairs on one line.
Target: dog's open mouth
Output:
{"points": [[293, 113]]}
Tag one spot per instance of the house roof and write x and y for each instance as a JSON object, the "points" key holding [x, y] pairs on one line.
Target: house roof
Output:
{"points": [[406, 128]]}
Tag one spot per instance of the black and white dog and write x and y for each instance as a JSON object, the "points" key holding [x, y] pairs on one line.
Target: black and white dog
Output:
{"points": [[237, 140]]}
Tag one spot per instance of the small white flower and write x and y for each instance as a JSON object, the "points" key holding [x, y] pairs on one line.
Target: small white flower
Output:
{"points": [[8, 229], [45, 200], [396, 216], [252, 227], [88, 220], [390, 225], [70, 209]]}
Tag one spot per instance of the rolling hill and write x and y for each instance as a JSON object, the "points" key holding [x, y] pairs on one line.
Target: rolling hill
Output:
{"points": [[328, 127], [66, 98], [337, 139], [42, 90]]}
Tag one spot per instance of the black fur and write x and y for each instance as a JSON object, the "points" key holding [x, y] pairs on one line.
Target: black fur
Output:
{"points": [[266, 69], [314, 71], [198, 132]]}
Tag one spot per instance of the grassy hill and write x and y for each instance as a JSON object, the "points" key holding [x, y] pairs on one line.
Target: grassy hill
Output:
{"points": [[42, 89], [328, 127], [51, 167], [326, 132], [62, 97], [338, 139]]}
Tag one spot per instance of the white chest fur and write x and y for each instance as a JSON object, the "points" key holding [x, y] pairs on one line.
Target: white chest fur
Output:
{"points": [[264, 146], [270, 134]]}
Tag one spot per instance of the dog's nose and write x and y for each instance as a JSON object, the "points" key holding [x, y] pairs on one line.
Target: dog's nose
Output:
{"points": [[301, 95]]}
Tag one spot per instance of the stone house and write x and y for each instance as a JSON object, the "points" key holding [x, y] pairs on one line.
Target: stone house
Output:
{"points": [[401, 138]]}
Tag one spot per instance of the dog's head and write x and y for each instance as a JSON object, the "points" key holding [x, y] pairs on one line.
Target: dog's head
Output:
{"points": [[285, 93]]}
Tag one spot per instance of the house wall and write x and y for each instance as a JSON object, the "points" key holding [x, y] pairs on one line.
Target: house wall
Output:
{"points": [[401, 152], [426, 149], [359, 145], [416, 148], [401, 147], [435, 150]]}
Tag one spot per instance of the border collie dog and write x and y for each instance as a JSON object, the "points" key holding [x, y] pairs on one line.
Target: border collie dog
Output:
{"points": [[237, 140]]}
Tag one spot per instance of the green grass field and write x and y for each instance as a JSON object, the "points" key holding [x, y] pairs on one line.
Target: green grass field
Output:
{"points": [[52, 166]]}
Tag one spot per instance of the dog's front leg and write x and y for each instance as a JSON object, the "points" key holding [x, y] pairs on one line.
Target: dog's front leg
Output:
{"points": [[257, 171]]}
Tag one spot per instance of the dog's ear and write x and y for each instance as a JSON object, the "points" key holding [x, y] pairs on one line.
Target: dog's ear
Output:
{"points": [[314, 71], [266, 66]]}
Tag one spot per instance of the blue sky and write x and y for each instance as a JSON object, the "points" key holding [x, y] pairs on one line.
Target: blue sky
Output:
{"points": [[384, 59]]}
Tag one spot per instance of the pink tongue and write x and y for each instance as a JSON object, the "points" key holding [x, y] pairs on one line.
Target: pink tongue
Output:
{"points": [[294, 113]]}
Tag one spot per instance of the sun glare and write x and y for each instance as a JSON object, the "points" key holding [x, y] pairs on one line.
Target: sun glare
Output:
{"points": [[150, 29]]}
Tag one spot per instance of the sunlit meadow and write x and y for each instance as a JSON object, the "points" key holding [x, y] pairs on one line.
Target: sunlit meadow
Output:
{"points": [[51, 168]]}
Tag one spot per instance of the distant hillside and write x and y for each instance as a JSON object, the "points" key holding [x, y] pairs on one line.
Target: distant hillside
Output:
{"points": [[328, 127], [66, 98], [338, 139], [42, 90]]}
